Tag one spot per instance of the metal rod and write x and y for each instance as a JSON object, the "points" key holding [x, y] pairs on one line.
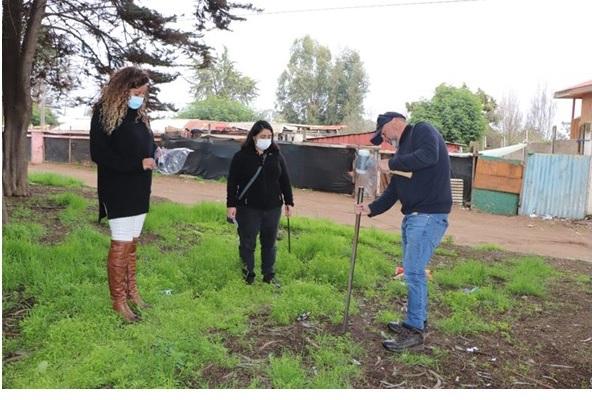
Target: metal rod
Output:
{"points": [[289, 238], [359, 200]]}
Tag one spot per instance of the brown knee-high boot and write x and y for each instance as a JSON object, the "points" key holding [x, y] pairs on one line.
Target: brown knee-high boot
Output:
{"points": [[132, 285], [117, 272]]}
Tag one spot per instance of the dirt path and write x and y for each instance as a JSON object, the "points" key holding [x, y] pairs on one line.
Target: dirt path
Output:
{"points": [[561, 239]]}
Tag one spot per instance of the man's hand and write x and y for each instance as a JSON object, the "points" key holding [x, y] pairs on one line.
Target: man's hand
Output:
{"points": [[383, 165], [148, 163], [288, 210], [362, 209], [231, 212]]}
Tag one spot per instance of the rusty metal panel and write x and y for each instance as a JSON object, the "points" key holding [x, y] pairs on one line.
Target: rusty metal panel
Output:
{"points": [[498, 175], [556, 185]]}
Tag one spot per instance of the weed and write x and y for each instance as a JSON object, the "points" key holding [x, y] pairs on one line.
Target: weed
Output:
{"points": [[386, 316], [529, 276], [424, 360], [49, 179], [442, 251], [489, 247], [286, 372]]}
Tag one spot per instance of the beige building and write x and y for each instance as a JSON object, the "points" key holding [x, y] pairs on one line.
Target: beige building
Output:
{"points": [[580, 125]]}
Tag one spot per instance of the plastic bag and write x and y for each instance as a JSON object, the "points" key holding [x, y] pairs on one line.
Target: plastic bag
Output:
{"points": [[171, 161], [366, 171]]}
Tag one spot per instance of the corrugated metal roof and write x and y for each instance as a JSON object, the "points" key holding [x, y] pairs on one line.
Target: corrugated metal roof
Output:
{"points": [[503, 151], [318, 127], [363, 139], [556, 185]]}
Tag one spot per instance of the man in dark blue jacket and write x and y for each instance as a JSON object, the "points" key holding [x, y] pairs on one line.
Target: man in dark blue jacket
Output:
{"points": [[426, 201]]}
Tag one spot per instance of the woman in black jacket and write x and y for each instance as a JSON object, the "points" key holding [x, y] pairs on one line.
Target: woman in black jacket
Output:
{"points": [[257, 208], [122, 146]]}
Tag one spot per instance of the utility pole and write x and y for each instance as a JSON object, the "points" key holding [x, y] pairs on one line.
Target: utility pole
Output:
{"points": [[42, 104]]}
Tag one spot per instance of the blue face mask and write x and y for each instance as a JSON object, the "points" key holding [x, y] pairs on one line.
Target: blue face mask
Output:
{"points": [[135, 102]]}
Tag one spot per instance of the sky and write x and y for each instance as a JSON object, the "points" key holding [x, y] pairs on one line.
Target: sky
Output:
{"points": [[500, 46]]}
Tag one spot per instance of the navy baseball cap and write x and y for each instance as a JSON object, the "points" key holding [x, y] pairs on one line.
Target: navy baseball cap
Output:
{"points": [[380, 122]]}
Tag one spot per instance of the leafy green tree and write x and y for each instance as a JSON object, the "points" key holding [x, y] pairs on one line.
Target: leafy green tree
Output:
{"points": [[304, 87], [456, 112], [218, 109], [313, 90], [490, 107], [50, 118], [221, 79], [40, 37], [349, 87]]}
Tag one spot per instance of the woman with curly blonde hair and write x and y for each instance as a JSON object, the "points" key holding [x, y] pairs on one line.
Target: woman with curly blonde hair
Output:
{"points": [[122, 146]]}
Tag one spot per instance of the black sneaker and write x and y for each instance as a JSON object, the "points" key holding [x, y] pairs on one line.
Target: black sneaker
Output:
{"points": [[397, 327], [272, 281], [250, 278], [408, 339]]}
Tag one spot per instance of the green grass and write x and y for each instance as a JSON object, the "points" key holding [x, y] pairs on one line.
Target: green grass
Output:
{"points": [[489, 247], [286, 372], [333, 366], [442, 251], [189, 270], [529, 276], [75, 207], [49, 179], [423, 360], [386, 316], [483, 292]]}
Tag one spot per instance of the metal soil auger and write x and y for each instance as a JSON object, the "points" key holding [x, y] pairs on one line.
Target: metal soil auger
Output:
{"points": [[289, 238], [359, 200], [364, 166]]}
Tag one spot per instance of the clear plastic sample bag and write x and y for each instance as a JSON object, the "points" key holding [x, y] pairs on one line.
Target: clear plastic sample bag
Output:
{"points": [[171, 161]]}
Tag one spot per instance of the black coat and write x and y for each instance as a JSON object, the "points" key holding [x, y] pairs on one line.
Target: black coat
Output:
{"points": [[272, 187], [122, 183]]}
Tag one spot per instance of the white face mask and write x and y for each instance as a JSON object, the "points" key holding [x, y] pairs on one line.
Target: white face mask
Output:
{"points": [[263, 144]]}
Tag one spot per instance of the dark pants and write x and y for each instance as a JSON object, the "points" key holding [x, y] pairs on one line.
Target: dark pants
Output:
{"points": [[251, 222]]}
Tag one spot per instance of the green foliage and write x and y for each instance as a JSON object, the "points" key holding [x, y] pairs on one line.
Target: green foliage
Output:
{"points": [[218, 109], [334, 362], [313, 90], [286, 372], [465, 322], [529, 276], [386, 316], [334, 368], [489, 247], [188, 268], [349, 87], [50, 118], [417, 359], [75, 207], [456, 112], [320, 300], [49, 179], [397, 289], [221, 79], [441, 251], [467, 273]]}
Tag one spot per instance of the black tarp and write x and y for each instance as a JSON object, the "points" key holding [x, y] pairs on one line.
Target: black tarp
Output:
{"points": [[310, 167], [210, 159], [80, 150], [56, 149], [320, 168]]}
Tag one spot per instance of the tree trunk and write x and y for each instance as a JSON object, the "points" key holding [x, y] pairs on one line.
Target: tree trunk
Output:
{"points": [[18, 51]]}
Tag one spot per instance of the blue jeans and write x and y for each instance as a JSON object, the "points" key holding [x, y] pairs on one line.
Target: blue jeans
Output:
{"points": [[420, 235]]}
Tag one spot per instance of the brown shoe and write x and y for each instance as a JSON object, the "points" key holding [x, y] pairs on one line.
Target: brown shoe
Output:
{"points": [[117, 273], [132, 286]]}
